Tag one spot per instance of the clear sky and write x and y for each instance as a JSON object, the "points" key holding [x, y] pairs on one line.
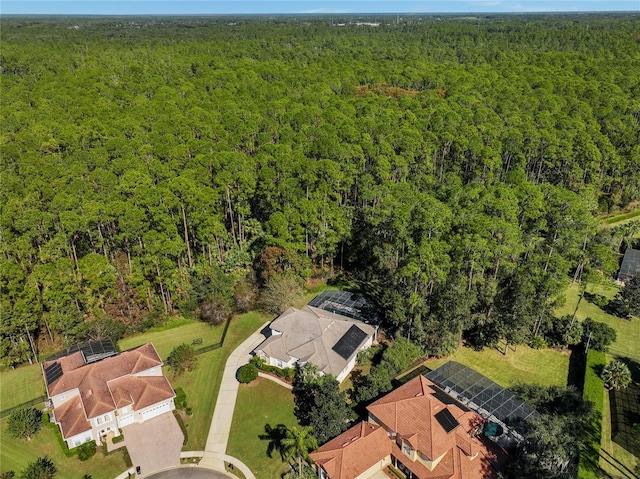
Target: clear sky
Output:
{"points": [[199, 7]]}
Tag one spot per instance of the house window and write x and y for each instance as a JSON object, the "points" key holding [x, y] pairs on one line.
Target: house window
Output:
{"points": [[99, 420], [76, 442], [406, 449], [107, 417]]}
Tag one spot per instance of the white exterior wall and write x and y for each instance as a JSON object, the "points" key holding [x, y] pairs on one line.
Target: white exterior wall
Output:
{"points": [[279, 363], [78, 439]]}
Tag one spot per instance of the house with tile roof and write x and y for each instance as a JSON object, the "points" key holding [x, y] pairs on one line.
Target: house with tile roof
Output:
{"points": [[92, 400], [418, 429], [326, 339]]}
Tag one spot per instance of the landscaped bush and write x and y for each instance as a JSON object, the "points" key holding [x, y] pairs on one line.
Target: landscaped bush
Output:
{"points": [[87, 450], [538, 342], [183, 427], [286, 373], [247, 373], [118, 439]]}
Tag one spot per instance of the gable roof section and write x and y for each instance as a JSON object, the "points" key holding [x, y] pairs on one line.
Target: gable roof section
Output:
{"points": [[354, 451], [92, 379], [312, 335], [630, 266], [72, 417], [140, 392]]}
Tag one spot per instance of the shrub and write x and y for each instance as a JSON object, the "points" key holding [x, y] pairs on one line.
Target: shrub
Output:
{"points": [[181, 399], [183, 427], [87, 450], [597, 335], [538, 342], [182, 358], [247, 373], [118, 439], [616, 375]]}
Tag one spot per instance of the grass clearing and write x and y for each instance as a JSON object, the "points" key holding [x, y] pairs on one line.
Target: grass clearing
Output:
{"points": [[20, 385], [249, 419], [546, 367], [622, 218], [174, 334], [628, 331]]}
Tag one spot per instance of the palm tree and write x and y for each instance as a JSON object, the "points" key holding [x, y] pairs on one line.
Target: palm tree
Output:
{"points": [[299, 441], [616, 375]]}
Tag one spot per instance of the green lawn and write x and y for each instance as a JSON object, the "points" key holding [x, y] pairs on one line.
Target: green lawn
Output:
{"points": [[628, 331], [540, 366], [20, 385], [259, 403], [175, 333], [16, 454]]}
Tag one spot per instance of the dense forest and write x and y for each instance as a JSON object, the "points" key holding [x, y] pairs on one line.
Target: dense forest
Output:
{"points": [[452, 166]]}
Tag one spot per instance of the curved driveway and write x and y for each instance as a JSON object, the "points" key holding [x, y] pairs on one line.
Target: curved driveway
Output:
{"points": [[189, 473]]}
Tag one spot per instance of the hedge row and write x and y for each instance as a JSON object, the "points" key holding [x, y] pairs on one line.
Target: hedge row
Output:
{"points": [[286, 373], [594, 392]]}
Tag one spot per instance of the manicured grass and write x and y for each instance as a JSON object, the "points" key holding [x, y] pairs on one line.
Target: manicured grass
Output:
{"points": [[20, 385], [260, 402], [203, 383], [16, 454], [167, 338], [628, 331], [594, 392], [534, 366]]}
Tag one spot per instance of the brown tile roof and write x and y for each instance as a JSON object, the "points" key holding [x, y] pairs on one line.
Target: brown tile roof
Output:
{"points": [[91, 379], [411, 410], [71, 417], [354, 451], [141, 391]]}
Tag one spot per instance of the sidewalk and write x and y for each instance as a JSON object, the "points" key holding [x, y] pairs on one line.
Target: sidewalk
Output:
{"points": [[215, 450]]}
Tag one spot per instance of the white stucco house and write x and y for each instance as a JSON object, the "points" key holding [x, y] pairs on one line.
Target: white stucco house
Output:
{"points": [[92, 400], [312, 335]]}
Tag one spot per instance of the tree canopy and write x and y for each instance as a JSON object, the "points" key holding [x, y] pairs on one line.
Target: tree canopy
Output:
{"points": [[452, 166]]}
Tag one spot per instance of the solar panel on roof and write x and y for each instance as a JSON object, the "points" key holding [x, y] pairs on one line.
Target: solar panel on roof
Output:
{"points": [[96, 350], [476, 390], [52, 372], [348, 343], [446, 420]]}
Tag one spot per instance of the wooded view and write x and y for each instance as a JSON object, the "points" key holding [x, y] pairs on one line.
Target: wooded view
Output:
{"points": [[451, 167]]}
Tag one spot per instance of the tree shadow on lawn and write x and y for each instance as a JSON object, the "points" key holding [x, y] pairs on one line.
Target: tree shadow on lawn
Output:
{"points": [[577, 364]]}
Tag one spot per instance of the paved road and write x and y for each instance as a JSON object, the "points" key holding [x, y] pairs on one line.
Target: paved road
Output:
{"points": [[189, 473]]}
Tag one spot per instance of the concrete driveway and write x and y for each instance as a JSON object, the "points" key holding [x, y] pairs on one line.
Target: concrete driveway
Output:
{"points": [[154, 444]]}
